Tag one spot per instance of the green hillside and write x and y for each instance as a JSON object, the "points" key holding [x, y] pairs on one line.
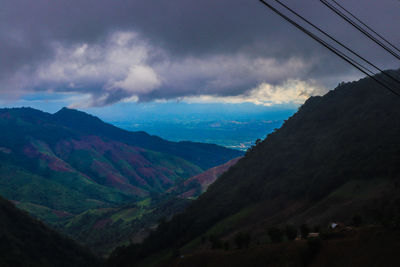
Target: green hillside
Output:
{"points": [[105, 229], [51, 161], [61, 167]]}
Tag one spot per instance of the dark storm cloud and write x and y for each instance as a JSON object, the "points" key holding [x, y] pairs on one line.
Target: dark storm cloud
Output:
{"points": [[188, 47]]}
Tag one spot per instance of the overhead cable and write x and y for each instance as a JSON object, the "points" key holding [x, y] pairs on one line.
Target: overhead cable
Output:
{"points": [[360, 28], [338, 42], [331, 48], [366, 26]]}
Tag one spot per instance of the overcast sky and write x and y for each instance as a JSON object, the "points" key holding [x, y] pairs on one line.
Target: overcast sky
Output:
{"points": [[94, 53]]}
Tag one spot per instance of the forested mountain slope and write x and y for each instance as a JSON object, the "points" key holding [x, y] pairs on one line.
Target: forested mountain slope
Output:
{"points": [[338, 156]]}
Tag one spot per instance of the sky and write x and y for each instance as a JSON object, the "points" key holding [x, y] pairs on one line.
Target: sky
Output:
{"points": [[94, 54]]}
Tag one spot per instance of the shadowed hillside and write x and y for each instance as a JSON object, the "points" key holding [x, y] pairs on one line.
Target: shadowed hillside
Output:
{"points": [[27, 242], [337, 157], [367, 246]]}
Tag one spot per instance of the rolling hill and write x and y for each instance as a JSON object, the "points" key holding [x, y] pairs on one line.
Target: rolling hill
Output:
{"points": [[336, 159]]}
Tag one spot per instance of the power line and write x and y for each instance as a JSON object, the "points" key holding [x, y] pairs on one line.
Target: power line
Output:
{"points": [[365, 25], [361, 29], [338, 42], [322, 42], [330, 47]]}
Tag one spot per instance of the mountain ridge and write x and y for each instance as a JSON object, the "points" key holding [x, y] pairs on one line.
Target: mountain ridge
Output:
{"points": [[200, 150]]}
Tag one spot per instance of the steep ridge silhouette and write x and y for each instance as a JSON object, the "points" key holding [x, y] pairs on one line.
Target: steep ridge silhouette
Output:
{"points": [[336, 157], [25, 241]]}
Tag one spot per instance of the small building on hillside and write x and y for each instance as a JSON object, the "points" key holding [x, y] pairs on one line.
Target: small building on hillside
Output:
{"points": [[336, 226], [313, 235]]}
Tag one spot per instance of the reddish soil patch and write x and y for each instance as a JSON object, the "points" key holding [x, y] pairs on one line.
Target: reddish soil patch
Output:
{"points": [[102, 223], [206, 178], [62, 214]]}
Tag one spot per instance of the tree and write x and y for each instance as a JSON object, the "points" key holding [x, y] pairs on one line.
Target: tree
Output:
{"points": [[226, 245], [291, 232], [242, 240], [356, 220], [215, 242], [176, 253], [275, 234], [304, 230]]}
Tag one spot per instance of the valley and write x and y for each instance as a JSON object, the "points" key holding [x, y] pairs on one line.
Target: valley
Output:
{"points": [[93, 181], [205, 133]]}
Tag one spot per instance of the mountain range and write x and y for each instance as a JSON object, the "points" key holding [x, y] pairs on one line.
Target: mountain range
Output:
{"points": [[334, 163], [68, 167]]}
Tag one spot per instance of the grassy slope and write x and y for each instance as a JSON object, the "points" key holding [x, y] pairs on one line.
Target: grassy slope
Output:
{"points": [[72, 194], [105, 229]]}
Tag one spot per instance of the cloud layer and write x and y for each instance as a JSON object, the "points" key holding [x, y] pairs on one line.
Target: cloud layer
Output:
{"points": [[291, 92], [111, 51]]}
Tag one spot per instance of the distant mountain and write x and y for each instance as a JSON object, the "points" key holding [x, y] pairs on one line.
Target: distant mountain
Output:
{"points": [[336, 159], [59, 165], [203, 155], [27, 242]]}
